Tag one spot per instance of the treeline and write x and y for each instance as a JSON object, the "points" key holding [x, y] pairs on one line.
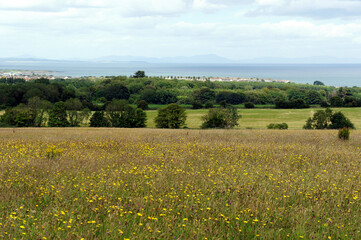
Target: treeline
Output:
{"points": [[95, 94], [71, 113]]}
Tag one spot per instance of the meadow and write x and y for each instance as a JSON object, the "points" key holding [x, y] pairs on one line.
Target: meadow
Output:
{"points": [[260, 118], [179, 184]]}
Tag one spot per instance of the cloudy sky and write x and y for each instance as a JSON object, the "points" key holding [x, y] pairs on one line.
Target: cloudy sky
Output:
{"points": [[236, 29]]}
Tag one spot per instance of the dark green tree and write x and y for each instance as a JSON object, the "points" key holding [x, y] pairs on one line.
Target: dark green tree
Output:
{"points": [[58, 116], [172, 116], [142, 105], [73, 107], [318, 83], [40, 107], [336, 101], [221, 118], [204, 95], [328, 120], [339, 120], [20, 116], [99, 120], [139, 74]]}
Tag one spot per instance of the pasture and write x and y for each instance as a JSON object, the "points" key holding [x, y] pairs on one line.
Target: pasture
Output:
{"points": [[260, 118], [82, 183]]}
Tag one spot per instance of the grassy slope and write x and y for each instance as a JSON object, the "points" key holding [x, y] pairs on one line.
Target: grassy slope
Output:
{"points": [[260, 118]]}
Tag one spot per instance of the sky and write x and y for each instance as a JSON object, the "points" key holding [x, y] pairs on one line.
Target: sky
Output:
{"points": [[234, 29]]}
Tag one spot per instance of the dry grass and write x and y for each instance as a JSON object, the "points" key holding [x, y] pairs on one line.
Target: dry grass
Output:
{"points": [[178, 184]]}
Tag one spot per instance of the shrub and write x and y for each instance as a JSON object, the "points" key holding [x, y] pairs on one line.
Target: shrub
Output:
{"points": [[277, 126], [142, 105], [249, 105], [208, 104], [344, 133], [221, 118], [172, 116], [197, 105]]}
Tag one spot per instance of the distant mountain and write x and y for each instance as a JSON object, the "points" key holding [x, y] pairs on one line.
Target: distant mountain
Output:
{"points": [[210, 58], [306, 60], [197, 59], [28, 59]]}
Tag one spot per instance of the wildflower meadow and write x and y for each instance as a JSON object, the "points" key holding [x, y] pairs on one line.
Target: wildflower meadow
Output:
{"points": [[82, 183]]}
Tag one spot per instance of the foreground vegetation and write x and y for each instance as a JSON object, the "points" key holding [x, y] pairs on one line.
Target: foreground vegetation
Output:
{"points": [[179, 184]]}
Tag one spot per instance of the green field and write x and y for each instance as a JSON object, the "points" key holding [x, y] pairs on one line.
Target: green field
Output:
{"points": [[88, 183], [260, 118]]}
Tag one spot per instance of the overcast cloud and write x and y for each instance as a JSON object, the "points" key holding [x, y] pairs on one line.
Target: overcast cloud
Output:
{"points": [[237, 29]]}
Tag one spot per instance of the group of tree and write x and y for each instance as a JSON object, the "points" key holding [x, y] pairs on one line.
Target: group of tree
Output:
{"points": [[95, 93], [71, 113], [327, 119]]}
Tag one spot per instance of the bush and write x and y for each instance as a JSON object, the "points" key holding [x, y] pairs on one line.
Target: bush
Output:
{"points": [[249, 105], [172, 116], [277, 126], [344, 133], [221, 118], [209, 104], [197, 105], [291, 104], [142, 105]]}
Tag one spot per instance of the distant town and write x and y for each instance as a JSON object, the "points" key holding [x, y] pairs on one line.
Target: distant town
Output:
{"points": [[228, 79], [29, 75]]}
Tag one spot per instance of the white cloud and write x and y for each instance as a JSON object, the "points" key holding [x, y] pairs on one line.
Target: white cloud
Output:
{"points": [[174, 27], [307, 8]]}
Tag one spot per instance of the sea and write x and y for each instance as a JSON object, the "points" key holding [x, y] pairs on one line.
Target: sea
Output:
{"points": [[330, 74]]}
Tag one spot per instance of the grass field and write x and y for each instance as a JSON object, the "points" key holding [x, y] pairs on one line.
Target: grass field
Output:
{"points": [[179, 184], [260, 118]]}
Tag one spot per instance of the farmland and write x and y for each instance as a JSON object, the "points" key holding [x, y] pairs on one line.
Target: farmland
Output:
{"points": [[178, 184]]}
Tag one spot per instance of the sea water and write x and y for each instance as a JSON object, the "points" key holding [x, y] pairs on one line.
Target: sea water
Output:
{"points": [[330, 74]]}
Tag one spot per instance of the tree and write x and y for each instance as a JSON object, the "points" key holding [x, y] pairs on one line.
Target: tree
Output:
{"points": [[142, 105], [339, 120], [113, 91], [40, 107], [20, 116], [139, 74], [230, 97], [221, 118], [318, 83], [326, 119], [58, 116], [336, 101], [172, 116], [249, 105], [99, 120], [121, 114], [73, 107], [204, 95]]}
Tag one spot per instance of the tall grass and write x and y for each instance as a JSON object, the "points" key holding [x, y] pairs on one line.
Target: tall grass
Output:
{"points": [[178, 184]]}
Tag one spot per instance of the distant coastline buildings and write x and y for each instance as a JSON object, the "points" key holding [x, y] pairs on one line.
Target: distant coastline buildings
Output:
{"points": [[32, 75], [228, 79]]}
